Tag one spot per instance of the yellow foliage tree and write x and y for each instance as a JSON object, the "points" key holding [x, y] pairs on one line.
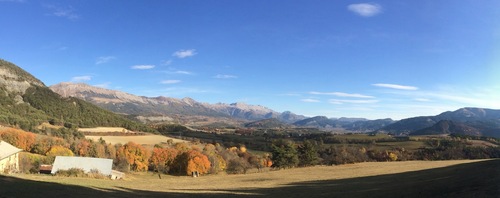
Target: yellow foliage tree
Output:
{"points": [[393, 156], [58, 151], [137, 156]]}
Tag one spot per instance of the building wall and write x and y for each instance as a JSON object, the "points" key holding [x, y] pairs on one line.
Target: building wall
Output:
{"points": [[10, 164]]}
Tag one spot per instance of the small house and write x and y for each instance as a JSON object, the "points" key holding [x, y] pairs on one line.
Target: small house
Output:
{"points": [[9, 158], [45, 168]]}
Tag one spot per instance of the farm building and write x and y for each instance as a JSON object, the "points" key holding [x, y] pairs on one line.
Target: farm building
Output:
{"points": [[87, 164], [9, 157]]}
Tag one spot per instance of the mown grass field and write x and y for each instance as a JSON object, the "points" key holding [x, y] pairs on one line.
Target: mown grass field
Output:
{"points": [[103, 129], [140, 139], [457, 178]]}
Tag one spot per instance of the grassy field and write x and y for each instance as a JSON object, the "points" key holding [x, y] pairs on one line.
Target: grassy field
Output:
{"points": [[103, 129], [409, 145], [141, 139], [462, 178]]}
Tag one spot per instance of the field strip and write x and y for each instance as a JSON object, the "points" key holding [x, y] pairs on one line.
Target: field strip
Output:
{"points": [[140, 139], [103, 129]]}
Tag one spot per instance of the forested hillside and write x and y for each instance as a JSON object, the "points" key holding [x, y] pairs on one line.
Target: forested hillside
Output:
{"points": [[26, 102]]}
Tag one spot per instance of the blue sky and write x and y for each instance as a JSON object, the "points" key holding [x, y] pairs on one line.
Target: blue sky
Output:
{"points": [[372, 59]]}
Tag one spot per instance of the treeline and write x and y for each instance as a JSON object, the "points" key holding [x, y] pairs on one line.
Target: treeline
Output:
{"points": [[179, 159], [288, 154], [73, 112]]}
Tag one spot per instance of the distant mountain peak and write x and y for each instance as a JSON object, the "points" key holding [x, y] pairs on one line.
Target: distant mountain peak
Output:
{"points": [[126, 103], [16, 80], [469, 121]]}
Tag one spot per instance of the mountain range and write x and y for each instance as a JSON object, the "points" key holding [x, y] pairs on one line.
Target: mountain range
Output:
{"points": [[464, 121], [125, 103], [26, 102]]}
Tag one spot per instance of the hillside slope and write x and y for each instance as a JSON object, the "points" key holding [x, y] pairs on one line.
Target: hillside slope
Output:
{"points": [[26, 102], [464, 121]]}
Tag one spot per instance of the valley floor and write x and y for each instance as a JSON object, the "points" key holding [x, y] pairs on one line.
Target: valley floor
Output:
{"points": [[454, 178]]}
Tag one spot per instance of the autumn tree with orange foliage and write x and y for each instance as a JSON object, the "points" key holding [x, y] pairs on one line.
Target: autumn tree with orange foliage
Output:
{"points": [[190, 161], [163, 158], [197, 162], [82, 148], [18, 138]]}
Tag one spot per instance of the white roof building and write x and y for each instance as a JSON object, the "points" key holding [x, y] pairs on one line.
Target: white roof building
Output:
{"points": [[85, 163], [9, 157]]}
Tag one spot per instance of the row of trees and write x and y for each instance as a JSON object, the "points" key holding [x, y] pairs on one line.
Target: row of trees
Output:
{"points": [[288, 154], [180, 158]]}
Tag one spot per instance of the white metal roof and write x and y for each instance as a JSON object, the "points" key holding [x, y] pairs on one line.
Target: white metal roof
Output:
{"points": [[7, 150], [85, 163]]}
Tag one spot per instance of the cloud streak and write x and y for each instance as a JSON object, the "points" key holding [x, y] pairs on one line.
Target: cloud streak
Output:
{"points": [[337, 101], [184, 53], [104, 59], [142, 67], [341, 94], [310, 100], [365, 9], [81, 78], [225, 76], [103, 85], [395, 86], [170, 81], [64, 12]]}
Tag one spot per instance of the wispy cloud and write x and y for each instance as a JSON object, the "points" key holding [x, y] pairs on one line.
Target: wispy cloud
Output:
{"points": [[337, 101], [170, 81], [81, 78], [184, 53], [341, 94], [167, 62], [104, 59], [310, 100], [183, 72], [64, 12], [103, 85], [446, 98], [225, 76], [422, 99], [143, 67], [365, 9], [173, 71], [395, 86]]}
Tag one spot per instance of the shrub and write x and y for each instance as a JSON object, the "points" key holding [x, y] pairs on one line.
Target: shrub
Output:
{"points": [[237, 166], [94, 173], [72, 172]]}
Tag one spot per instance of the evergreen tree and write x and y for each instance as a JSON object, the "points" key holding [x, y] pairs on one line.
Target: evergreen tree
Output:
{"points": [[284, 154], [308, 154]]}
